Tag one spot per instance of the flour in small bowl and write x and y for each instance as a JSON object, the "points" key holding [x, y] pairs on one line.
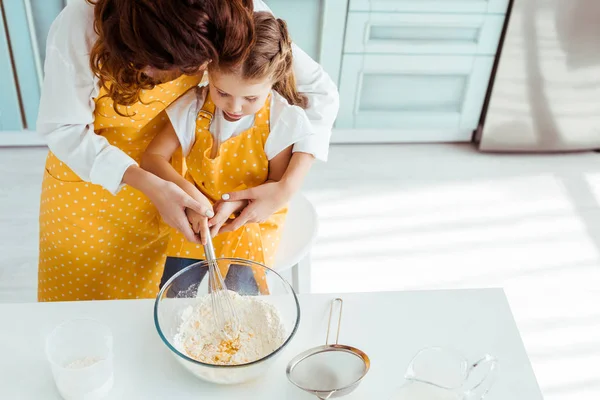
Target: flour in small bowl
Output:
{"points": [[83, 362], [261, 332]]}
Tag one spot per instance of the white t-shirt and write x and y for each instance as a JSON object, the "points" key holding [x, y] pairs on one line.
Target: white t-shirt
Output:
{"points": [[288, 124], [66, 113]]}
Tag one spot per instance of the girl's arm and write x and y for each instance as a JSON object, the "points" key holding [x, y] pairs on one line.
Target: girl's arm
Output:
{"points": [[157, 159]]}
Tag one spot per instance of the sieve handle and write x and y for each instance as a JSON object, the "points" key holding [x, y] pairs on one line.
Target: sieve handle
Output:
{"points": [[337, 336]]}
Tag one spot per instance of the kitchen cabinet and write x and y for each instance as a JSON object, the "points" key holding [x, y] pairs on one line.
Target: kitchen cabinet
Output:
{"points": [[446, 6], [10, 112], [23, 29], [425, 97], [393, 33], [318, 28], [416, 71], [407, 70]]}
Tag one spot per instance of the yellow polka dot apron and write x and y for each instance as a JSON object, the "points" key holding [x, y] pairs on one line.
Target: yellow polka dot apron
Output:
{"points": [[94, 245], [240, 162]]}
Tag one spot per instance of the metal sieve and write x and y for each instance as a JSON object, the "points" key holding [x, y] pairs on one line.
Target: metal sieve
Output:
{"points": [[332, 370]]}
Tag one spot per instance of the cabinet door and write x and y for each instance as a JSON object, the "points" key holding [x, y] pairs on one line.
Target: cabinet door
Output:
{"points": [[423, 33], [305, 26], [332, 36], [318, 29], [25, 55], [441, 6], [413, 93], [10, 111]]}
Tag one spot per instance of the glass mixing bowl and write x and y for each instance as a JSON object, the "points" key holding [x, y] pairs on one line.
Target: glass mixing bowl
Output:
{"points": [[182, 291]]}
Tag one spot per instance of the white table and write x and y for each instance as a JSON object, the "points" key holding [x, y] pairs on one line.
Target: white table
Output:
{"points": [[389, 327]]}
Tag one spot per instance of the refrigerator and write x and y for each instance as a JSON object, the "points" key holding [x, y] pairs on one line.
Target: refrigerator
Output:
{"points": [[546, 93]]}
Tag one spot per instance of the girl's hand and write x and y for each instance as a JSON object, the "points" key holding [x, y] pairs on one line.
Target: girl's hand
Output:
{"points": [[223, 211], [263, 201], [199, 224]]}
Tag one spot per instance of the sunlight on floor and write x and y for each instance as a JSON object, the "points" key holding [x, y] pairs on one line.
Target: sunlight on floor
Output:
{"points": [[536, 236]]}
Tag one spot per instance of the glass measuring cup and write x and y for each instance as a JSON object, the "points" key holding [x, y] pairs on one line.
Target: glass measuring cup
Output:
{"points": [[80, 353], [436, 373]]}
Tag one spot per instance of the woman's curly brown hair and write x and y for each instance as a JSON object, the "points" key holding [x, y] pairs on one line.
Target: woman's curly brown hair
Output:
{"points": [[179, 35]]}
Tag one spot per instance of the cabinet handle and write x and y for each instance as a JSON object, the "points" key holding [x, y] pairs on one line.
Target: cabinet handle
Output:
{"points": [[419, 32]]}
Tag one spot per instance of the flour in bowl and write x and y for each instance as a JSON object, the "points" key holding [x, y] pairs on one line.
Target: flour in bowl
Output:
{"points": [[83, 362], [261, 332]]}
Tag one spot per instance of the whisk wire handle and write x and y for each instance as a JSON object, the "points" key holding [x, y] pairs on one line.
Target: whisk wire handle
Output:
{"points": [[209, 250], [223, 309]]}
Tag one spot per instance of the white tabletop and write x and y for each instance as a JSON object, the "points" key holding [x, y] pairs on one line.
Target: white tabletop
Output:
{"points": [[389, 327]]}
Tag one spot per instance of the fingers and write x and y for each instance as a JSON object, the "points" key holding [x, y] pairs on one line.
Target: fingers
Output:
{"points": [[240, 221], [226, 228], [199, 226], [201, 209], [218, 204], [217, 209], [215, 229], [196, 225], [247, 194], [220, 217], [204, 231], [187, 231]]}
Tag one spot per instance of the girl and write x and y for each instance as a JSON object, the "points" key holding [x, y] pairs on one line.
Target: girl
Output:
{"points": [[236, 134], [111, 68]]}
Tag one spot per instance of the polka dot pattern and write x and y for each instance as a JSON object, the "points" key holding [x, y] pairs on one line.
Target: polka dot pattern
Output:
{"points": [[96, 246], [239, 163]]}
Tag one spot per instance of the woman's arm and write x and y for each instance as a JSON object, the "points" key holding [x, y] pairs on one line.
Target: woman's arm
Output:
{"points": [[323, 106], [323, 101], [66, 112], [298, 167], [259, 211], [279, 164], [66, 121], [272, 195]]}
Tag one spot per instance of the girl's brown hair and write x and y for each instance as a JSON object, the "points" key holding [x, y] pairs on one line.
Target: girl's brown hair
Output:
{"points": [[164, 34], [270, 56]]}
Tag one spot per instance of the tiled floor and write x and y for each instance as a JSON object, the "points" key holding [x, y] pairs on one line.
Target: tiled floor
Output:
{"points": [[424, 217]]}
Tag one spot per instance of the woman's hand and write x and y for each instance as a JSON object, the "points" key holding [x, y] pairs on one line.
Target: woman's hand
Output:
{"points": [[170, 200], [285, 178], [224, 209], [263, 201]]}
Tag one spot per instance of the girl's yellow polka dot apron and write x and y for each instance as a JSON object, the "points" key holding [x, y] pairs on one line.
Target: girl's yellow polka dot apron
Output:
{"points": [[94, 245], [240, 162]]}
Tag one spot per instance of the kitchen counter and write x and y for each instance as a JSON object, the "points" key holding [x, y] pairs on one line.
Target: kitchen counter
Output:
{"points": [[390, 327]]}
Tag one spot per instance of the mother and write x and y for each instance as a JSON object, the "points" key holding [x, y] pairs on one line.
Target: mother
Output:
{"points": [[112, 66]]}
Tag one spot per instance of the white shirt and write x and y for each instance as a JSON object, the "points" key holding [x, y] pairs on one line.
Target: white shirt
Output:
{"points": [[66, 114], [288, 124]]}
